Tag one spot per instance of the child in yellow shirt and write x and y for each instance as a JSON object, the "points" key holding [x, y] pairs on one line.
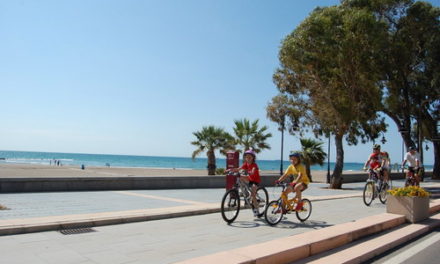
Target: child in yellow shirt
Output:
{"points": [[300, 181]]}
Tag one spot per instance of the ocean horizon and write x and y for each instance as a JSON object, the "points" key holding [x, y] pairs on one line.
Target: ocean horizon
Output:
{"points": [[101, 160]]}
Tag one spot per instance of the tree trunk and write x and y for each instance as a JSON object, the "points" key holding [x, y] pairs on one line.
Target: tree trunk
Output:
{"points": [[402, 125], [408, 140], [211, 162], [308, 171], [336, 179], [433, 133], [436, 172]]}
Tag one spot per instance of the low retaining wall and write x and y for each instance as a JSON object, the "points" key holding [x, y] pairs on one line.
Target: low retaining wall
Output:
{"points": [[361, 177], [58, 184], [115, 183]]}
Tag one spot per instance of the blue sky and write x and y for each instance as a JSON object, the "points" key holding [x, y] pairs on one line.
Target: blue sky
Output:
{"points": [[138, 77]]}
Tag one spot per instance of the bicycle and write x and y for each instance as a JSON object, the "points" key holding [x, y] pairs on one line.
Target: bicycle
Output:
{"points": [[410, 177], [230, 206], [275, 210], [375, 187]]}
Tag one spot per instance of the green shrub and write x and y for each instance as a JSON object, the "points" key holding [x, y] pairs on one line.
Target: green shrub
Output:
{"points": [[219, 171]]}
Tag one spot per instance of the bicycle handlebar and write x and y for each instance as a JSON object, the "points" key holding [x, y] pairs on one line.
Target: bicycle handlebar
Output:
{"points": [[236, 173]]}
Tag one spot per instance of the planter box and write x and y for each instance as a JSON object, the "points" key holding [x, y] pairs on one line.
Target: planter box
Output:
{"points": [[414, 209]]}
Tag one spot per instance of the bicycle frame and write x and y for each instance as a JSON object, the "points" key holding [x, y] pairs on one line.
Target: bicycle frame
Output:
{"points": [[373, 175], [410, 178], [276, 209], [291, 203], [242, 188]]}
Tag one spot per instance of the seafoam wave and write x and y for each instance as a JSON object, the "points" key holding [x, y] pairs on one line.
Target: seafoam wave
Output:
{"points": [[142, 161]]}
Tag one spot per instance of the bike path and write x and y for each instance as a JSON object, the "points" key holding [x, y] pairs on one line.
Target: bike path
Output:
{"points": [[42, 204], [53, 211], [173, 239]]}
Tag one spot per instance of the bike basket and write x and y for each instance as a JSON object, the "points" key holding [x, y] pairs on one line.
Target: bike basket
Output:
{"points": [[230, 181]]}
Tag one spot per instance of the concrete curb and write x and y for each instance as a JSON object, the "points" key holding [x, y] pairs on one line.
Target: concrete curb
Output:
{"points": [[297, 247], [51, 223]]}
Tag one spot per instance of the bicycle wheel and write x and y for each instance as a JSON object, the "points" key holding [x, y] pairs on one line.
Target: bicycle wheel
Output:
{"points": [[262, 199], [230, 206], [274, 212], [384, 193], [306, 210], [368, 194]]}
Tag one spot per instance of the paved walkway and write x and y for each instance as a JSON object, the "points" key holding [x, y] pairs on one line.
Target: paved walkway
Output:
{"points": [[164, 241], [173, 239], [42, 204], [26, 205]]}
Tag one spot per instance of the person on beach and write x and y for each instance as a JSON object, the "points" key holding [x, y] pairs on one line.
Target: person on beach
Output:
{"points": [[414, 163], [253, 175], [299, 182]]}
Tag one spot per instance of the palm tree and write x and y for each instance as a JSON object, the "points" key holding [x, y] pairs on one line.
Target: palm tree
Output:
{"points": [[249, 135], [279, 110], [210, 139], [312, 153]]}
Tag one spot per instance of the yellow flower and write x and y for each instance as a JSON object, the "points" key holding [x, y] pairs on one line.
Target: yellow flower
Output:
{"points": [[413, 191]]}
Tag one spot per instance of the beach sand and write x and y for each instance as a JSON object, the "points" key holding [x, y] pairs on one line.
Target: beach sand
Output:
{"points": [[47, 171]]}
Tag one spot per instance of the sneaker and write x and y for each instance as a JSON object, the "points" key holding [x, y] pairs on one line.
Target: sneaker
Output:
{"points": [[256, 212], [299, 206]]}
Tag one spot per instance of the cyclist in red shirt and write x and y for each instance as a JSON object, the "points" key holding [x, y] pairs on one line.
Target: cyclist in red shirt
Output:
{"points": [[253, 177], [375, 160]]}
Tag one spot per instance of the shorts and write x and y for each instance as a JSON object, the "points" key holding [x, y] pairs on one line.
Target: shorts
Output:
{"points": [[413, 170], [304, 185]]}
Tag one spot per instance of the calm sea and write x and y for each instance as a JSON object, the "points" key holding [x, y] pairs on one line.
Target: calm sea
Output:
{"points": [[139, 161]]}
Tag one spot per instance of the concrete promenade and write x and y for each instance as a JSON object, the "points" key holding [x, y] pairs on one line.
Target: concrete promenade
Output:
{"points": [[50, 210], [173, 238]]}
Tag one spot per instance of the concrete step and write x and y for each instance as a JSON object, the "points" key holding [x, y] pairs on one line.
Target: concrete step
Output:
{"points": [[305, 245], [292, 248], [366, 249]]}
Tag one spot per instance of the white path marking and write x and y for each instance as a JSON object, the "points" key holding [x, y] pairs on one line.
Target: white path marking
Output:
{"points": [[161, 198]]}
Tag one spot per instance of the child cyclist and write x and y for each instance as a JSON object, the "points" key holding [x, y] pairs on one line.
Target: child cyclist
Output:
{"points": [[300, 181], [253, 177], [386, 163]]}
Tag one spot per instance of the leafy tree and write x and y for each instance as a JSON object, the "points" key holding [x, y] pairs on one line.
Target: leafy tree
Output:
{"points": [[312, 153], [249, 135], [410, 64], [210, 139], [328, 66], [419, 31]]}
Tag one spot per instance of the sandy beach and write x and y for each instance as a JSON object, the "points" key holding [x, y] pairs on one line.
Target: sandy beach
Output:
{"points": [[43, 171]]}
